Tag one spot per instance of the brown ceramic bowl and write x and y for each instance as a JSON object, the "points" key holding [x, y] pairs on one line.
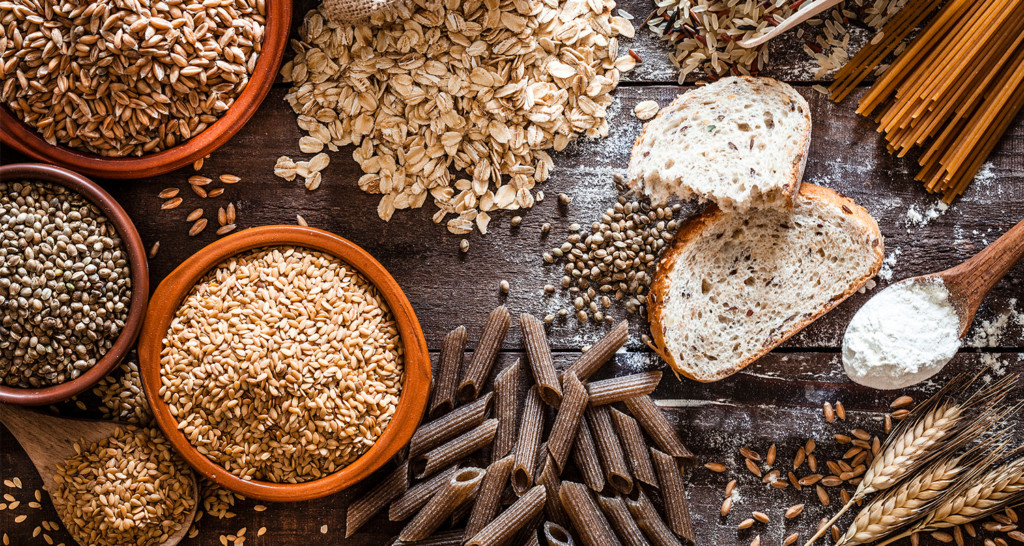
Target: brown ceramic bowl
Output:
{"points": [[140, 283], [17, 135], [415, 386]]}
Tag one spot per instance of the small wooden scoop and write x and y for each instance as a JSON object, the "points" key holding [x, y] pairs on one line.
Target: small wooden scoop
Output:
{"points": [[50, 441], [804, 14], [969, 282]]}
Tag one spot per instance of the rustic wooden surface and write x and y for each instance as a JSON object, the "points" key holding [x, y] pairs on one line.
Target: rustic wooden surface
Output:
{"points": [[776, 400]]}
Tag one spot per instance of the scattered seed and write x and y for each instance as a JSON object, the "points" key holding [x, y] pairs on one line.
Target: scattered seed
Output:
{"points": [[516, 220], [942, 536], [545, 228], [770, 458], [171, 203], [168, 193], [464, 245], [226, 228], [809, 446], [791, 539], [794, 511], [730, 487], [900, 402], [197, 180], [229, 179], [194, 215], [726, 506], [215, 192], [261, 532], [761, 516], [888, 423], [822, 495], [563, 199], [798, 460], [198, 164], [794, 481], [835, 533], [752, 466], [811, 479], [756, 541], [715, 467], [230, 211], [829, 413], [746, 524], [812, 463], [750, 453], [153, 250], [20, 518], [198, 190], [901, 414], [840, 411], [197, 227], [503, 286], [300, 220], [842, 439]]}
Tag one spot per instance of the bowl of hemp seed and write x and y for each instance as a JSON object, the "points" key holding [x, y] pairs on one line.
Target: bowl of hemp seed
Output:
{"points": [[74, 284]]}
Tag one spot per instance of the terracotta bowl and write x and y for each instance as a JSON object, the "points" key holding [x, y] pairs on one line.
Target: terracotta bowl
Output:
{"points": [[19, 136], [140, 283], [415, 387]]}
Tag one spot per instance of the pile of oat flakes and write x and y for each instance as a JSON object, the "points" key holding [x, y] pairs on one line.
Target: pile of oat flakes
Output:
{"points": [[457, 100]]}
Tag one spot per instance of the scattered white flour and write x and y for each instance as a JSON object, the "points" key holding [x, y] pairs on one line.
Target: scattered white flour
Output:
{"points": [[888, 264], [902, 336], [990, 332], [918, 219]]}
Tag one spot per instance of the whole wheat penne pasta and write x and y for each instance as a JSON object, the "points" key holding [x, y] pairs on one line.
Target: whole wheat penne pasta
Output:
{"points": [[511, 520], [416, 496], [618, 389], [449, 363], [541, 362], [488, 500], [459, 488], [636, 447], [379, 496], [658, 427], [612, 459], [445, 538], [618, 514], [530, 429], [506, 409], [528, 533], [563, 431], [584, 454], [444, 428], [600, 352], [448, 453], [479, 368], [673, 493], [591, 525], [532, 540], [548, 477], [648, 519], [556, 535]]}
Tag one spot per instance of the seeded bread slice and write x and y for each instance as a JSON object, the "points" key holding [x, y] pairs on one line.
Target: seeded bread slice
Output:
{"points": [[740, 142], [733, 286]]}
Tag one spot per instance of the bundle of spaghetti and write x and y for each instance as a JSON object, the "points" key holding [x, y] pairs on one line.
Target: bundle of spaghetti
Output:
{"points": [[881, 46], [954, 91]]}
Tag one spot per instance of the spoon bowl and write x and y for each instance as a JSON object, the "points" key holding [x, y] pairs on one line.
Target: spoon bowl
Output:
{"points": [[50, 441]]}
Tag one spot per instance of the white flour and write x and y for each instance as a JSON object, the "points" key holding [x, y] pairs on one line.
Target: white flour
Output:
{"points": [[902, 336]]}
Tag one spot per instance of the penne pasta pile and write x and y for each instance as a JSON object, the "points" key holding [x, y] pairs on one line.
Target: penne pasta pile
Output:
{"points": [[567, 458]]}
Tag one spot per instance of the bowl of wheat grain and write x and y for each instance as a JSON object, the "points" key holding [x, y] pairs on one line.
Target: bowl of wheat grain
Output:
{"points": [[130, 90]]}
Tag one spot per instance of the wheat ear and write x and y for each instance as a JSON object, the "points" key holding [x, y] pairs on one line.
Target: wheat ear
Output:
{"points": [[979, 496], [902, 503], [934, 428]]}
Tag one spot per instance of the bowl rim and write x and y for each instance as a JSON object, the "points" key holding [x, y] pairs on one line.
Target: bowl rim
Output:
{"points": [[21, 137], [412, 401], [137, 260]]}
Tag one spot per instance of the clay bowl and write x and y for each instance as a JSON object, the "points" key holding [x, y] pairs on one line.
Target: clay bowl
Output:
{"points": [[140, 283], [415, 387], [17, 135]]}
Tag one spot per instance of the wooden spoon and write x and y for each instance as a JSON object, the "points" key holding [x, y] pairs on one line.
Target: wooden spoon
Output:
{"points": [[50, 441], [804, 14], [969, 282]]}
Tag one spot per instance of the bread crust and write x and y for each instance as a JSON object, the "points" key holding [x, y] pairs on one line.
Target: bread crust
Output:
{"points": [[799, 163], [696, 226]]}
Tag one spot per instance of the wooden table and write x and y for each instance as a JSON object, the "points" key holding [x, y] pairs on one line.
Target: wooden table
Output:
{"points": [[777, 400]]}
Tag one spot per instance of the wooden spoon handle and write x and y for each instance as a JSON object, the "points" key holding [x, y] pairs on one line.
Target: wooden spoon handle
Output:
{"points": [[810, 10], [972, 280]]}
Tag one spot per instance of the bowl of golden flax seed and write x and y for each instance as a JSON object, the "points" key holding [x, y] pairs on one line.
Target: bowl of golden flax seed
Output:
{"points": [[284, 362]]}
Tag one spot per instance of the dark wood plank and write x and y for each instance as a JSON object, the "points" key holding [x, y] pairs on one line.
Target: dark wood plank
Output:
{"points": [[775, 401], [448, 288]]}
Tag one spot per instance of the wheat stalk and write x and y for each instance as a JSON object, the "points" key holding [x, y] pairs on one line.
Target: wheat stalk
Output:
{"points": [[902, 503], [935, 428], [980, 495]]}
